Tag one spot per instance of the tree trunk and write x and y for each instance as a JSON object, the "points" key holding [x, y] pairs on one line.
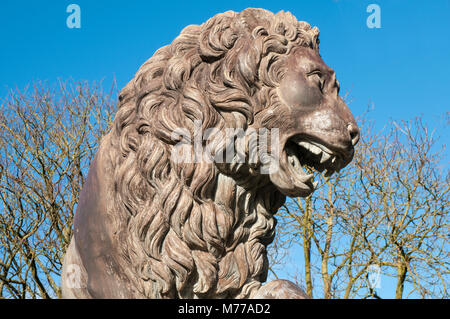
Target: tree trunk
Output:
{"points": [[402, 270], [307, 246]]}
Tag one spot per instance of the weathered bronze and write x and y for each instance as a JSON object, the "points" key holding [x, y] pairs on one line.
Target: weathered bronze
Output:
{"points": [[153, 225]]}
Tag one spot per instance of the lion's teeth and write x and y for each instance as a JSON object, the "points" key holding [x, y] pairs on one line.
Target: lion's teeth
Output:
{"points": [[294, 161], [306, 178], [325, 157], [333, 160], [314, 149], [310, 147], [291, 160], [304, 144]]}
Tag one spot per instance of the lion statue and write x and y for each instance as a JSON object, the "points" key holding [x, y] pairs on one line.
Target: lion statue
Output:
{"points": [[150, 226]]}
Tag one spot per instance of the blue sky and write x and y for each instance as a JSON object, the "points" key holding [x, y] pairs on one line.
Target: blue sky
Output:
{"points": [[401, 69]]}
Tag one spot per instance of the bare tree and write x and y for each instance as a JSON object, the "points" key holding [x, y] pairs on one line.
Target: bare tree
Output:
{"points": [[389, 208], [407, 183], [48, 136]]}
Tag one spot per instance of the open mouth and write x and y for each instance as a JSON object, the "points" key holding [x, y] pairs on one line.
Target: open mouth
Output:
{"points": [[305, 156]]}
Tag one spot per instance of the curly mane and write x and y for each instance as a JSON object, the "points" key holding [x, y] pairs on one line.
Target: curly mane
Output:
{"points": [[200, 225]]}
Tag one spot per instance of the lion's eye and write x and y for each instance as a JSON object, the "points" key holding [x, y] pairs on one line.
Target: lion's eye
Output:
{"points": [[317, 77]]}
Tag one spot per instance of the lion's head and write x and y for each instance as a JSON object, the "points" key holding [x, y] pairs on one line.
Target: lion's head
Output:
{"points": [[200, 228]]}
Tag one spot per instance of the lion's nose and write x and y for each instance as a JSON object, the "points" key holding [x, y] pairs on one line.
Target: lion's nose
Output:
{"points": [[354, 133]]}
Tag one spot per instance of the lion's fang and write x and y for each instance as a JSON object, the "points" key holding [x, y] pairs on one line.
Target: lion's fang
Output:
{"points": [[306, 178], [325, 157]]}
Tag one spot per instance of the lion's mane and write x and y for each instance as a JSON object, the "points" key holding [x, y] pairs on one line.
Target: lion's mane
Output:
{"points": [[189, 230]]}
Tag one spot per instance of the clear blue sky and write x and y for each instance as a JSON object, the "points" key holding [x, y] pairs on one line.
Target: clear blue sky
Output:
{"points": [[403, 68]]}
